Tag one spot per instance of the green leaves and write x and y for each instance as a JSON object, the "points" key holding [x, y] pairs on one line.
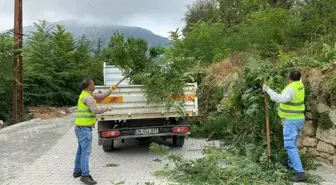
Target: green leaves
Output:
{"points": [[55, 64], [129, 55], [165, 79], [223, 166], [205, 42], [206, 11], [6, 74], [161, 74]]}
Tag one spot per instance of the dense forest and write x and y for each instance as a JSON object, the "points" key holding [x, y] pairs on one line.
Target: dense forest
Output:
{"points": [[227, 46]]}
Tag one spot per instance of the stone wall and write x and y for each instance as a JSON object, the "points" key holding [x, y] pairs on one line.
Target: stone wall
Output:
{"points": [[315, 138]]}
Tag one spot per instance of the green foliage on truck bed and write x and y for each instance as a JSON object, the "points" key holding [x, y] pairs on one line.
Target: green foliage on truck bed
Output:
{"points": [[161, 74]]}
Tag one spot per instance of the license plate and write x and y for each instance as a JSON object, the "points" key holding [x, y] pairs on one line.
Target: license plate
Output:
{"points": [[147, 131]]}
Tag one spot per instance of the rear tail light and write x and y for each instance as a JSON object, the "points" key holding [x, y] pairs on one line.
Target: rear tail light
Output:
{"points": [[114, 133], [180, 130]]}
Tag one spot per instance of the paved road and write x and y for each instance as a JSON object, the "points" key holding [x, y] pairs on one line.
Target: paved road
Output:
{"points": [[135, 163], [42, 152], [22, 144]]}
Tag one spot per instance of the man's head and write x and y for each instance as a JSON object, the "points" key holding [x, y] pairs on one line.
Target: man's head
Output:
{"points": [[294, 75], [88, 85]]}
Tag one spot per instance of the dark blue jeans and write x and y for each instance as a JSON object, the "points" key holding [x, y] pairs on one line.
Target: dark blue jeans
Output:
{"points": [[291, 132], [84, 137]]}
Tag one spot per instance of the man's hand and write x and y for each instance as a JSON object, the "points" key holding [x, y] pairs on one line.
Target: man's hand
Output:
{"points": [[265, 88], [113, 88]]}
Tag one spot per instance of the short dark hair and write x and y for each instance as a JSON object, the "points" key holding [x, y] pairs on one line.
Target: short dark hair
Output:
{"points": [[86, 83], [295, 75]]}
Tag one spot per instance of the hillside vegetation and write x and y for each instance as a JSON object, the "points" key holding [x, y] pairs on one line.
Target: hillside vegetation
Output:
{"points": [[227, 46], [242, 41]]}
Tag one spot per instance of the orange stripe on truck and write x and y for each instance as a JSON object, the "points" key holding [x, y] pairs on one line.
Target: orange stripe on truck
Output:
{"points": [[120, 99], [111, 99], [187, 97]]}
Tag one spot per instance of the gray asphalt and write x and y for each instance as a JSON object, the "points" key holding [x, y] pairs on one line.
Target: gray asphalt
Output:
{"points": [[43, 151], [23, 143]]}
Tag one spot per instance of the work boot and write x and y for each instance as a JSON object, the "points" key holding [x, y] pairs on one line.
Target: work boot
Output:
{"points": [[77, 174], [299, 177], [88, 180]]}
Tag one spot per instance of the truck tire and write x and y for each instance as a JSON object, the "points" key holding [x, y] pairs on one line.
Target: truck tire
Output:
{"points": [[178, 141], [108, 148]]}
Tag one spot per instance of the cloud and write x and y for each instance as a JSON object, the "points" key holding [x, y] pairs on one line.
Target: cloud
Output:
{"points": [[160, 16]]}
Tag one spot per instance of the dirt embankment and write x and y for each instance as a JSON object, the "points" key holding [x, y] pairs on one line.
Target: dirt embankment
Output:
{"points": [[218, 83], [42, 112], [47, 113]]}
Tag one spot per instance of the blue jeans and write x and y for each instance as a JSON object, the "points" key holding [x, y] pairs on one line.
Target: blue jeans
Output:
{"points": [[291, 132], [84, 137]]}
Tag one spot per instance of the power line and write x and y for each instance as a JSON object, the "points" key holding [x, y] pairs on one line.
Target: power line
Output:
{"points": [[90, 3]]}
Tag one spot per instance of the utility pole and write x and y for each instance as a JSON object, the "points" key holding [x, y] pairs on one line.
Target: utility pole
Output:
{"points": [[21, 59], [17, 58]]}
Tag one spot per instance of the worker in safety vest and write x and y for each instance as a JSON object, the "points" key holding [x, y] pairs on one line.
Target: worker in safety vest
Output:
{"points": [[291, 110], [85, 121]]}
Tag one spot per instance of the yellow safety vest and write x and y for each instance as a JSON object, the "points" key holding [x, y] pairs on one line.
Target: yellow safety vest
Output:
{"points": [[294, 110], [84, 117]]}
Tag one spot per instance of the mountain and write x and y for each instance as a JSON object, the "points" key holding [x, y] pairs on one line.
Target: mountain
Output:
{"points": [[104, 32]]}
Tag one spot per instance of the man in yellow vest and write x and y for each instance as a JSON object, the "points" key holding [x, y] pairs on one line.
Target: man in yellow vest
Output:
{"points": [[291, 110], [85, 121]]}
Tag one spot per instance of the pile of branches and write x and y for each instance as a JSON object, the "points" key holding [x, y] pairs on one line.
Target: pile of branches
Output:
{"points": [[161, 74]]}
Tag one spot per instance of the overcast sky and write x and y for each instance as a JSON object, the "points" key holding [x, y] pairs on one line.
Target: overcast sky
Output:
{"points": [[159, 16]]}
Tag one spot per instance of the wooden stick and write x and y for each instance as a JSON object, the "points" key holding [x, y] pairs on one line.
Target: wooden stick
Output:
{"points": [[267, 123], [210, 136], [117, 84]]}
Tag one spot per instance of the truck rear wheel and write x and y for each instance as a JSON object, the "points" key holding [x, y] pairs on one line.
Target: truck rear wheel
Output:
{"points": [[108, 148], [178, 141]]}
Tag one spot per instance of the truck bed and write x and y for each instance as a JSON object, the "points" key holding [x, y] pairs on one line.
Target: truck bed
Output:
{"points": [[129, 102]]}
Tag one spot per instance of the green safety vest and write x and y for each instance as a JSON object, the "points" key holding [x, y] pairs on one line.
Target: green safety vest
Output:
{"points": [[84, 117], [294, 110]]}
